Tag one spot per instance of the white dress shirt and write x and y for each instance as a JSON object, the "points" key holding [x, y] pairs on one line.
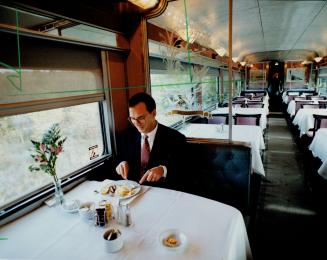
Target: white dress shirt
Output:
{"points": [[151, 135]]}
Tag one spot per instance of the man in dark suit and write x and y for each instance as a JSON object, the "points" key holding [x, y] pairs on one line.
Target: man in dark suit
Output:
{"points": [[163, 165]]}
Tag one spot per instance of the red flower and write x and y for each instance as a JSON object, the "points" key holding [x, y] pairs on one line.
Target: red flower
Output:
{"points": [[42, 147], [59, 149]]}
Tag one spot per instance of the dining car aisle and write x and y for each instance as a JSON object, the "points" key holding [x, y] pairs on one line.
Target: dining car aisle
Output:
{"points": [[287, 223]]}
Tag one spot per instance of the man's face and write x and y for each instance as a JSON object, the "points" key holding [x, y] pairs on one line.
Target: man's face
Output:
{"points": [[142, 119]]}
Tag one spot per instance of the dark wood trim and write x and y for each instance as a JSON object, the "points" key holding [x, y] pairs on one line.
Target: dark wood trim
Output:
{"points": [[157, 10], [46, 104]]}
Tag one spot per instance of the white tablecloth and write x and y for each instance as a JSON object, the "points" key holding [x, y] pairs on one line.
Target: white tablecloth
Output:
{"points": [[214, 230], [244, 133], [246, 111], [318, 147], [291, 107], [304, 118]]}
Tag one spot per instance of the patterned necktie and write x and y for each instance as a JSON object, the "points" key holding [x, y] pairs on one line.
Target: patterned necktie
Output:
{"points": [[145, 154]]}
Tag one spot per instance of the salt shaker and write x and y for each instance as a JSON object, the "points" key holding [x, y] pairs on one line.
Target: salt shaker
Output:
{"points": [[128, 218], [120, 214]]}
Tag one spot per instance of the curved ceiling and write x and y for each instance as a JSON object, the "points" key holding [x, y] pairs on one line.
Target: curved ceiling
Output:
{"points": [[262, 29]]}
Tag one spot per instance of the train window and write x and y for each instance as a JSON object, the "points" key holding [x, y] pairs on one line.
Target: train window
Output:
{"points": [[56, 26], [209, 91], [322, 81], [170, 91], [177, 83], [81, 125]]}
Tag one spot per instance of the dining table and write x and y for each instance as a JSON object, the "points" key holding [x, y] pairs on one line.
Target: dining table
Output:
{"points": [[304, 118], [212, 230], [318, 148], [250, 134]]}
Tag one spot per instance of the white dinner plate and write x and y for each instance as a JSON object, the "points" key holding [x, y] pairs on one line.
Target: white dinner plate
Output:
{"points": [[133, 186]]}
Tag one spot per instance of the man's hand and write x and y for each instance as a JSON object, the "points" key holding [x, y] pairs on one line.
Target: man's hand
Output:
{"points": [[122, 169], [152, 175]]}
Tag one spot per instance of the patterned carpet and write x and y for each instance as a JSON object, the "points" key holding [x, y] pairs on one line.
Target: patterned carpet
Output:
{"points": [[287, 225]]}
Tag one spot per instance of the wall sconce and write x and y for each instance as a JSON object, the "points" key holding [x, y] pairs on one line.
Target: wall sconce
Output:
{"points": [[144, 4], [318, 59], [221, 51], [243, 63]]}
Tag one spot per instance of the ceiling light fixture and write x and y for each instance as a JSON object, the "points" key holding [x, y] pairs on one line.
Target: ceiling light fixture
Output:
{"points": [[318, 59], [145, 4], [191, 33], [243, 63], [221, 51], [235, 59]]}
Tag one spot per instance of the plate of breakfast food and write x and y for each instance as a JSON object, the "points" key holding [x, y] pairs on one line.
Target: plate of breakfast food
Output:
{"points": [[173, 240], [123, 189]]}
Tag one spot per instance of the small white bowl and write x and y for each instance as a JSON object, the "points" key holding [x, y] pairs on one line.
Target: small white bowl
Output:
{"points": [[71, 206], [87, 210], [181, 240]]}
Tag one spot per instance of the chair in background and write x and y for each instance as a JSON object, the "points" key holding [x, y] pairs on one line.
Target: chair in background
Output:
{"points": [[306, 106], [322, 103], [238, 104], [255, 104], [320, 122], [316, 98], [257, 99], [247, 119], [218, 119], [299, 103], [239, 98], [259, 94]]}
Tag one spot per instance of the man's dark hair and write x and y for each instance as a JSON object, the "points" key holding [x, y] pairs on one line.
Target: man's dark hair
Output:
{"points": [[149, 102]]}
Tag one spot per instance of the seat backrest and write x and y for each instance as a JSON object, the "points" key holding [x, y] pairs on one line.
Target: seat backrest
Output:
{"points": [[320, 122], [306, 106], [238, 104], [247, 119], [255, 104], [257, 99], [299, 103], [259, 94], [221, 171], [316, 98], [239, 98], [322, 103], [218, 119]]}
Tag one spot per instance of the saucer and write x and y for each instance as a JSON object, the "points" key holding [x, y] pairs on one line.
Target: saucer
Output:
{"points": [[173, 240]]}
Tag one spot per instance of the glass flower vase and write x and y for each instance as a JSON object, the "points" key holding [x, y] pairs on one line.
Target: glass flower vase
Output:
{"points": [[59, 195]]}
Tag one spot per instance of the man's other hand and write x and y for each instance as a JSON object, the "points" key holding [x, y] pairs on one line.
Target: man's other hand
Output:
{"points": [[152, 175], [122, 169]]}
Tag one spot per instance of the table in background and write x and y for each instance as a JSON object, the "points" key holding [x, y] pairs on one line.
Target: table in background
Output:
{"points": [[318, 147], [304, 118], [214, 230], [244, 133]]}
